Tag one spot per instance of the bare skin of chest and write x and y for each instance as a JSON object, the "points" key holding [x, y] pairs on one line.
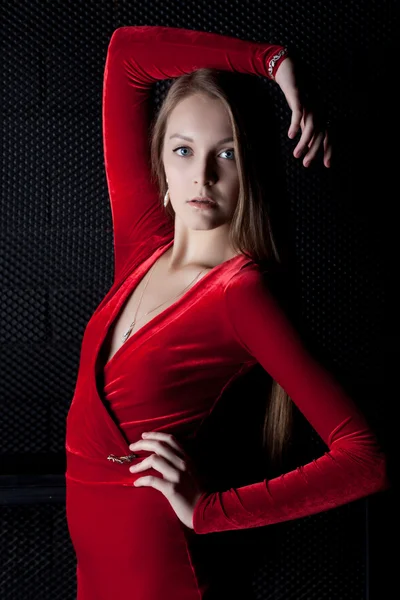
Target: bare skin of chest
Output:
{"points": [[163, 289]]}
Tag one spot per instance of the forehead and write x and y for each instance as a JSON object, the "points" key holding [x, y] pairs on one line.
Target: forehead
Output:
{"points": [[199, 115]]}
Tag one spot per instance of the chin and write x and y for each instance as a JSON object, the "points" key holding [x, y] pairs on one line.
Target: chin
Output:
{"points": [[202, 226], [202, 222]]}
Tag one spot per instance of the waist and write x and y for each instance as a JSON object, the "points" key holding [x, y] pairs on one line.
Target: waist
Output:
{"points": [[102, 470]]}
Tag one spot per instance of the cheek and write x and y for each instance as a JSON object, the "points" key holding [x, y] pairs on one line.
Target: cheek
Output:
{"points": [[234, 180], [170, 162], [175, 171]]}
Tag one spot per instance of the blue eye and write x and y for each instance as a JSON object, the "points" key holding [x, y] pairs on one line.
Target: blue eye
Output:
{"points": [[230, 150], [180, 148], [186, 148]]}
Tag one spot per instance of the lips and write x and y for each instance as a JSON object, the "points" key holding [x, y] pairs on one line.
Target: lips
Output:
{"points": [[203, 205], [204, 200]]}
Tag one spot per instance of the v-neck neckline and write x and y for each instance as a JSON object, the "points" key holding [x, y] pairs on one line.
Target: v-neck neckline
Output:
{"points": [[125, 293]]}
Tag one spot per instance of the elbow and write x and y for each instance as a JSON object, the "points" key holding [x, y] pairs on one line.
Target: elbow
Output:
{"points": [[380, 480], [375, 474], [367, 468], [366, 460]]}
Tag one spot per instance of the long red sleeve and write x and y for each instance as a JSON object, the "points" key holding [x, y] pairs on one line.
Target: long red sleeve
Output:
{"points": [[354, 466], [137, 57]]}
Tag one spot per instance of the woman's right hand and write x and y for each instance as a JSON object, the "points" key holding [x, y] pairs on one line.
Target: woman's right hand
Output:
{"points": [[313, 133]]}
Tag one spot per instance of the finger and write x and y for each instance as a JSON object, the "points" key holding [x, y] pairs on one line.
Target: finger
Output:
{"points": [[160, 464], [295, 121], [313, 149], [308, 131], [162, 485], [310, 143], [327, 151], [165, 437], [161, 449]]}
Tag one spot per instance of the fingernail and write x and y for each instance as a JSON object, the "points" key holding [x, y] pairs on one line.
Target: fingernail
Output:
{"points": [[144, 434]]}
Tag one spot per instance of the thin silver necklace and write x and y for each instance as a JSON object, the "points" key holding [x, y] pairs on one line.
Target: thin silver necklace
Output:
{"points": [[131, 326]]}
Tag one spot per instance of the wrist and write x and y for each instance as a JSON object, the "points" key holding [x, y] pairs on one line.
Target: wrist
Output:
{"points": [[196, 517], [274, 61]]}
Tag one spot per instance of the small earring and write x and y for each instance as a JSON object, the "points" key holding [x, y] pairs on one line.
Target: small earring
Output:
{"points": [[166, 197]]}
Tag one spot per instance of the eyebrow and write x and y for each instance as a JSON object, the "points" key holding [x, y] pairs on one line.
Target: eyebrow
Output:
{"points": [[185, 137]]}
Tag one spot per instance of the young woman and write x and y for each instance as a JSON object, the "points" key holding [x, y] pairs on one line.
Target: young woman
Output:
{"points": [[188, 313]]}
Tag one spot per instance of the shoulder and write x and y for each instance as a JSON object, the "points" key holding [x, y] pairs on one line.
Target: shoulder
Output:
{"points": [[246, 291], [246, 280], [250, 290], [139, 251]]}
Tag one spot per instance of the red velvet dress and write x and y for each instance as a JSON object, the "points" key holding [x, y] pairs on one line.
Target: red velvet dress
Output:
{"points": [[170, 374]]}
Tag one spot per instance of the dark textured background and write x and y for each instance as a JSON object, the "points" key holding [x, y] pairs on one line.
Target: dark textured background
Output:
{"points": [[56, 264]]}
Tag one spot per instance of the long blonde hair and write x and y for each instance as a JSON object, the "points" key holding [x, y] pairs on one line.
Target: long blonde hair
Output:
{"points": [[250, 232]]}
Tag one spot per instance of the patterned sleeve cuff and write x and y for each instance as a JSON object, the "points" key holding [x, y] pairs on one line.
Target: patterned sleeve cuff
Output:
{"points": [[275, 60]]}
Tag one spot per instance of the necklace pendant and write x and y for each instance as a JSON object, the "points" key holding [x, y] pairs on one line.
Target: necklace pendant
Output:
{"points": [[128, 332]]}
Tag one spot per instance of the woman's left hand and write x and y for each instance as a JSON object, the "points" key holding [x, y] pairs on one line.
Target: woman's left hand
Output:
{"points": [[313, 133], [179, 484]]}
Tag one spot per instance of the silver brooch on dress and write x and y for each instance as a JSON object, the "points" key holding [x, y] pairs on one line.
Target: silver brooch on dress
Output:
{"points": [[122, 459]]}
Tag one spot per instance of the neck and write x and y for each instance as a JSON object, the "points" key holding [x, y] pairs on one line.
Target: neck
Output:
{"points": [[200, 249]]}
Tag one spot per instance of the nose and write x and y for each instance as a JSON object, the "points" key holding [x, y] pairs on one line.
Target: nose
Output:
{"points": [[207, 174]]}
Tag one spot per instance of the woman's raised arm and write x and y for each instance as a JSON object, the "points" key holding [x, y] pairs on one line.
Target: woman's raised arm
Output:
{"points": [[138, 56]]}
